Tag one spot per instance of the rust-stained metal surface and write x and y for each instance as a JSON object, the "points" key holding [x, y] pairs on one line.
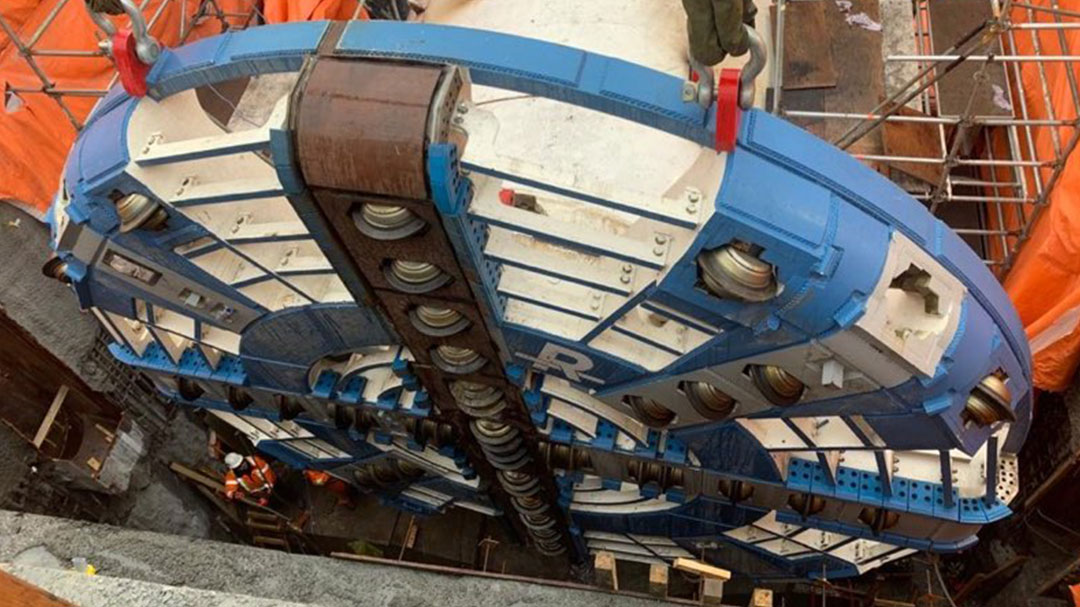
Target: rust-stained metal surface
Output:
{"points": [[361, 126], [361, 130]]}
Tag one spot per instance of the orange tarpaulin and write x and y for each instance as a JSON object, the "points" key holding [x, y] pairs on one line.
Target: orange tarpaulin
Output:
{"points": [[1045, 281], [35, 131], [278, 11]]}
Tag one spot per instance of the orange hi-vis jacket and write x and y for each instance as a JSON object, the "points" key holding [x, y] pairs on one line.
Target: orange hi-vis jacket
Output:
{"points": [[258, 482], [317, 477]]}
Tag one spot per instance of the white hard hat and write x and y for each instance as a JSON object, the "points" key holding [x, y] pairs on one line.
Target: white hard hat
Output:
{"points": [[233, 460]]}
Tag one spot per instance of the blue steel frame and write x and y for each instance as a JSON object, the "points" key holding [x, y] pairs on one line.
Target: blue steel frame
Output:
{"points": [[823, 219]]}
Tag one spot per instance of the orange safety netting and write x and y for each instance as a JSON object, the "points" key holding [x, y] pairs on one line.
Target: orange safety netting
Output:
{"points": [[278, 11], [1044, 283], [35, 131]]}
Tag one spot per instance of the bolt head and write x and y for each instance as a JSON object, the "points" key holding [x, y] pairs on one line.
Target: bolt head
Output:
{"points": [[624, 279], [689, 91]]}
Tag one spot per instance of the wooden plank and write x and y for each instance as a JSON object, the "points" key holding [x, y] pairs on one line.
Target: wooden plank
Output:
{"points": [[14, 591], [1061, 471], [917, 140], [50, 416], [949, 21], [859, 73], [1055, 578], [762, 597], [702, 569], [808, 63], [712, 591], [29, 379], [606, 576], [219, 487], [985, 585], [658, 580], [266, 540], [201, 479]]}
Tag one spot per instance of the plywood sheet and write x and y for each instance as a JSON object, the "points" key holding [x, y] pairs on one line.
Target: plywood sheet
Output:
{"points": [[856, 56], [950, 21], [808, 60], [914, 139]]}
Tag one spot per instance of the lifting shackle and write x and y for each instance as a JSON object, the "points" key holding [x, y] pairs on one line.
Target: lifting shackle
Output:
{"points": [[133, 49], [734, 92]]}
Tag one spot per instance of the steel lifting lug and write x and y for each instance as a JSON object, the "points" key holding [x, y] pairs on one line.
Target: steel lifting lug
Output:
{"points": [[133, 49]]}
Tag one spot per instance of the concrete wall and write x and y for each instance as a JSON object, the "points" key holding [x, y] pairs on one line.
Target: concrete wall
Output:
{"points": [[40, 542]]}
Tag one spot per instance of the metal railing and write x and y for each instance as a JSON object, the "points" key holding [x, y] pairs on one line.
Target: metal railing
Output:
{"points": [[990, 161]]}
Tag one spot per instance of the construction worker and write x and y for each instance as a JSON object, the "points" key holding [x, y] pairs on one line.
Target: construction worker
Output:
{"points": [[250, 476], [320, 478], [716, 28]]}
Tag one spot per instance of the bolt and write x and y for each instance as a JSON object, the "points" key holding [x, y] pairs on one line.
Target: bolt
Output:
{"points": [[691, 208], [661, 239], [689, 91], [658, 251], [693, 195], [624, 279], [459, 120], [462, 108], [627, 269]]}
